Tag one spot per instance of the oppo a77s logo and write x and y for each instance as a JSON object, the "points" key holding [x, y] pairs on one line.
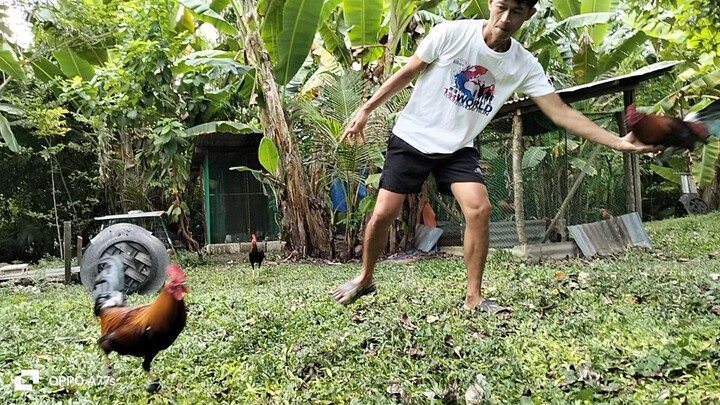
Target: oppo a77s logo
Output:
{"points": [[28, 378]]}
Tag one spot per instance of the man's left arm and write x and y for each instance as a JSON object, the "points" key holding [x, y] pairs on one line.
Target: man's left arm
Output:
{"points": [[572, 120]]}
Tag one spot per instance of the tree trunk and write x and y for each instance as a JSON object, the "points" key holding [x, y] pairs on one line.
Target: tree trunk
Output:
{"points": [[304, 223], [711, 194]]}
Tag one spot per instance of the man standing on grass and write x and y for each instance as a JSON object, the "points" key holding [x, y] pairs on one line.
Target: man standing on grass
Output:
{"points": [[467, 69]]}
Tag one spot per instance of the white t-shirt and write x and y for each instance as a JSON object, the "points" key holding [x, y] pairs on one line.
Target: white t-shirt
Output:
{"points": [[464, 86]]}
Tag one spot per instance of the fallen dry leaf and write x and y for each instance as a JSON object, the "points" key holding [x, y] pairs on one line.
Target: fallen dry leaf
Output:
{"points": [[407, 323], [429, 394], [664, 394], [432, 319], [396, 390], [478, 392]]}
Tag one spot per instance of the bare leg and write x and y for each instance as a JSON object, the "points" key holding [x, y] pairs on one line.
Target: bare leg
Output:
{"points": [[387, 208], [475, 204]]}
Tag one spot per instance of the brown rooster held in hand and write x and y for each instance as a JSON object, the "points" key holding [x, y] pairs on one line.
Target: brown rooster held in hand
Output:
{"points": [[256, 255], [673, 133], [142, 330]]}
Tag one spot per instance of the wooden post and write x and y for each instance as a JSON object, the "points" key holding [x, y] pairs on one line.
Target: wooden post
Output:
{"points": [[68, 248], [79, 246], [637, 184], [627, 166], [629, 183], [517, 151], [631, 163]]}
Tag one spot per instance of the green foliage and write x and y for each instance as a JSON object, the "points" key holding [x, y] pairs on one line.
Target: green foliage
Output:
{"points": [[300, 22], [705, 170], [268, 156], [321, 125], [10, 65], [5, 130], [204, 12], [363, 19], [638, 328], [71, 64], [48, 122]]}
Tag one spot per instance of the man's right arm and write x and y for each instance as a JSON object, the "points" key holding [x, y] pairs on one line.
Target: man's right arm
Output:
{"points": [[394, 84]]}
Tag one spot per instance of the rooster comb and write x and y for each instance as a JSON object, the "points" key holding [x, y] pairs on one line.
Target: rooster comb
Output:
{"points": [[175, 271], [631, 115]]}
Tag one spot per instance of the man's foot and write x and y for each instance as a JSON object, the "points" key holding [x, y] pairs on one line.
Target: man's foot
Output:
{"points": [[350, 291]]}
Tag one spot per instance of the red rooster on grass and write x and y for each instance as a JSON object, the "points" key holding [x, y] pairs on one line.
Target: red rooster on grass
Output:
{"points": [[142, 330], [673, 133], [256, 255]]}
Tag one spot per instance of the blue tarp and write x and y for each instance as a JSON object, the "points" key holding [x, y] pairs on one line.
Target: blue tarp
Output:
{"points": [[337, 195]]}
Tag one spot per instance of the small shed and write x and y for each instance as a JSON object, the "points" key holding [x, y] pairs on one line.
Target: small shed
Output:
{"points": [[235, 204]]}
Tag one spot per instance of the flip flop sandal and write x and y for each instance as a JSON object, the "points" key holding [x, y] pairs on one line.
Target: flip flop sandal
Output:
{"points": [[351, 291], [492, 307]]}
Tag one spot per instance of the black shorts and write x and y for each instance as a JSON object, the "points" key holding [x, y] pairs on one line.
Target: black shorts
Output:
{"points": [[406, 168]]}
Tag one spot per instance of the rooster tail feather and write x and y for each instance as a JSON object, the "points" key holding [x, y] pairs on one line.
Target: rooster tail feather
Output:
{"points": [[109, 284], [709, 117]]}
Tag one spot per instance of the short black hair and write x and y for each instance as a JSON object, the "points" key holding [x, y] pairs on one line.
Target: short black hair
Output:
{"points": [[529, 3]]}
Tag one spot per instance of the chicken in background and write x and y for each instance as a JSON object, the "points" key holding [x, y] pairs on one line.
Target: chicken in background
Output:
{"points": [[674, 134], [256, 255], [142, 330], [606, 214]]}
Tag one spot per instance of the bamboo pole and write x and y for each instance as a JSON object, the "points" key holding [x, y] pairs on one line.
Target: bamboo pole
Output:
{"points": [[571, 193]]}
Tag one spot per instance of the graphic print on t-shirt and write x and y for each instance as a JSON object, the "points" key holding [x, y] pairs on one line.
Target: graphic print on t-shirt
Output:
{"points": [[472, 88]]}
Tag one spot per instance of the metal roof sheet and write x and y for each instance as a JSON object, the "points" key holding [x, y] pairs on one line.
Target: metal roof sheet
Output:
{"points": [[611, 236]]}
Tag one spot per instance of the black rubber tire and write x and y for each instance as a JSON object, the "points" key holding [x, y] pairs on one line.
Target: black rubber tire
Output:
{"points": [[144, 255], [690, 204]]}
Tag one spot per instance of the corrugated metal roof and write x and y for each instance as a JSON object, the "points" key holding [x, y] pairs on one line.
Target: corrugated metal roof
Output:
{"points": [[598, 88], [612, 236]]}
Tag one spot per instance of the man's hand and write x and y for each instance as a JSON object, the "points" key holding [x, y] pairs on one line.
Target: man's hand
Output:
{"points": [[354, 131], [630, 143]]}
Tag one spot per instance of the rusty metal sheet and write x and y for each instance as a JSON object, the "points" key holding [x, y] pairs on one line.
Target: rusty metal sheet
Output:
{"points": [[611, 236]]}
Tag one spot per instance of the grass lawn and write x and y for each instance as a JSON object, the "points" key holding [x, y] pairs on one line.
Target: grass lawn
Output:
{"points": [[640, 328]]}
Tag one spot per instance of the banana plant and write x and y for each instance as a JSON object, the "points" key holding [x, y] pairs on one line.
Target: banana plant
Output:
{"points": [[11, 66], [5, 130]]}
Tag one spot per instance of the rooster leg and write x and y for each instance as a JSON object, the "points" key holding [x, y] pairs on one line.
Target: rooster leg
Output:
{"points": [[107, 370], [153, 383]]}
